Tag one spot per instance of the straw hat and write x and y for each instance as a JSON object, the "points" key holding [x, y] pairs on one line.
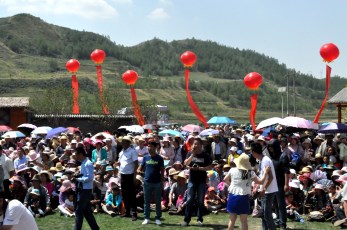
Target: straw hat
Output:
{"points": [[50, 176], [36, 178], [242, 162], [181, 175], [59, 167], [21, 168], [62, 178], [127, 138], [173, 172], [233, 140], [33, 155]]}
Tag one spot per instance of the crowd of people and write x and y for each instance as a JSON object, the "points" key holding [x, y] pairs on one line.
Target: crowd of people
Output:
{"points": [[277, 177]]}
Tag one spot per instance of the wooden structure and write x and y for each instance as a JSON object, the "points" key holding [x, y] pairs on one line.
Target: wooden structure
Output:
{"points": [[13, 111], [340, 100]]}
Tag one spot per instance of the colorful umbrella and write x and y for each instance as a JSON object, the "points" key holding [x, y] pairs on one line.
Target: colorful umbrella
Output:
{"points": [[42, 130], [333, 128], [221, 120], [192, 128], [171, 132], [102, 136], [5, 128], [208, 132], [13, 134], [295, 122], [56, 132]]}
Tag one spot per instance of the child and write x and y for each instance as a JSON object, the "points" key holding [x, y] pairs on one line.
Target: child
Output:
{"points": [[113, 202], [69, 205], [34, 203], [212, 201], [292, 208]]}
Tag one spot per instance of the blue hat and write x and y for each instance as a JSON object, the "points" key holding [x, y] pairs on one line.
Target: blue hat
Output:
{"points": [[109, 168], [239, 152]]}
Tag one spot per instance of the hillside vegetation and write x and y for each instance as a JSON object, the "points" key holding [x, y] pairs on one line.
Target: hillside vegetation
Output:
{"points": [[33, 54]]}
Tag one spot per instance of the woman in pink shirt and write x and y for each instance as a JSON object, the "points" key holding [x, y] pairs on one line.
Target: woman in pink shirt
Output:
{"points": [[167, 151]]}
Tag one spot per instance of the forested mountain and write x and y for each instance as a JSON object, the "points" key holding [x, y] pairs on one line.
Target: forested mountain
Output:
{"points": [[32, 50]]}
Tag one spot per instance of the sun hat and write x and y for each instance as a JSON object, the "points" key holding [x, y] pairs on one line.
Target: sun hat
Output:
{"points": [[127, 138], [53, 157], [319, 186], [63, 137], [173, 172], [233, 140], [178, 163], [68, 148], [33, 155], [292, 171], [318, 137], [66, 186], [307, 141], [62, 178], [36, 178], [17, 178], [344, 169], [109, 168], [73, 141], [98, 142], [35, 191], [305, 176], [181, 175], [59, 167], [342, 178], [72, 161], [293, 185], [50, 176], [261, 138], [318, 175], [166, 138], [226, 166], [47, 150], [21, 168], [36, 168], [233, 149], [242, 162], [336, 174], [113, 180]]}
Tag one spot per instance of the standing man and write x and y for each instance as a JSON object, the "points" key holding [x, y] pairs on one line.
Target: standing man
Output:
{"points": [[269, 189], [127, 167], [15, 215], [7, 166], [219, 149], [153, 166], [198, 161], [84, 187]]}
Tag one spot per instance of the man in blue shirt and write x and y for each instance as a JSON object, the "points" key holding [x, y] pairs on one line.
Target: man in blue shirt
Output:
{"points": [[84, 187], [153, 166]]}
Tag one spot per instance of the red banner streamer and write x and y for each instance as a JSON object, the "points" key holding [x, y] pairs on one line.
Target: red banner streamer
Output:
{"points": [[254, 100], [137, 110], [327, 85], [192, 104], [75, 106], [101, 90]]}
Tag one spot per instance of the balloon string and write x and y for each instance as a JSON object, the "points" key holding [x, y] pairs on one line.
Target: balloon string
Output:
{"points": [[136, 107], [327, 85], [254, 100], [75, 106], [101, 90], [192, 104]]}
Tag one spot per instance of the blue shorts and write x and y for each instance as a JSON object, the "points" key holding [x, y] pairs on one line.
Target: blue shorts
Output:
{"points": [[238, 204]]}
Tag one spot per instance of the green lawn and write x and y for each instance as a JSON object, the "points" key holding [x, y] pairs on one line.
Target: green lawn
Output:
{"points": [[57, 222]]}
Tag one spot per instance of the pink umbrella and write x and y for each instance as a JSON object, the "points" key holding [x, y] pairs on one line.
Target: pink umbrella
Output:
{"points": [[5, 128], [296, 122], [192, 128], [268, 122]]}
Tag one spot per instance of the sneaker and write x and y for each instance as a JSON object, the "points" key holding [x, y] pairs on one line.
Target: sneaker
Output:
{"points": [[146, 221], [339, 222], [215, 212], [184, 223], [200, 223], [157, 222]]}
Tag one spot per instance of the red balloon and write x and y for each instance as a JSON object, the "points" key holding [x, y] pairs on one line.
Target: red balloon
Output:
{"points": [[72, 65], [130, 77], [253, 80], [98, 56], [329, 52], [188, 58]]}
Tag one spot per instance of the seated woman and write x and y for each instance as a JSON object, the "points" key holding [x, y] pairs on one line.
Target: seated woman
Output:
{"points": [[65, 190], [177, 189], [212, 201], [113, 202], [320, 204]]}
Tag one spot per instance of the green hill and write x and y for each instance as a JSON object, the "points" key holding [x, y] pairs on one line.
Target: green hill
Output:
{"points": [[33, 54]]}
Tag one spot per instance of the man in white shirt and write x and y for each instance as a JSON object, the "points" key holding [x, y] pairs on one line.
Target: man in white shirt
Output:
{"points": [[128, 164], [7, 166], [15, 216], [269, 189]]}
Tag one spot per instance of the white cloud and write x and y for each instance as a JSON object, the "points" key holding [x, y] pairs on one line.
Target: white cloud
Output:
{"points": [[158, 14], [91, 9], [122, 1]]}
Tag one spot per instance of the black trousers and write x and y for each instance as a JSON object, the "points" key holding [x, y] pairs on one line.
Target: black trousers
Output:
{"points": [[7, 191], [83, 209], [128, 193]]}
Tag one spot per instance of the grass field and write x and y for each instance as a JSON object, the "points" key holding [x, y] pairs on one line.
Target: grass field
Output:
{"points": [[220, 221]]}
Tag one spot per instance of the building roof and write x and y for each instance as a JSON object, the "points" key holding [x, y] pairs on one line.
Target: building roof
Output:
{"points": [[9, 102], [339, 98]]}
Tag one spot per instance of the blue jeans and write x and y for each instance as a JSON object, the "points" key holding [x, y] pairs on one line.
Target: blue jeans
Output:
{"points": [[195, 190], [280, 206], [150, 189], [267, 220], [83, 209]]}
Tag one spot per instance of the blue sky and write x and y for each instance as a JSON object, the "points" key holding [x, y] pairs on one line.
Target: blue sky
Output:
{"points": [[290, 31]]}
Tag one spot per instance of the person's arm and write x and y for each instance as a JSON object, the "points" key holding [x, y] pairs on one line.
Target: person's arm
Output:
{"points": [[268, 181], [109, 199], [189, 159], [227, 178], [89, 174], [261, 180]]}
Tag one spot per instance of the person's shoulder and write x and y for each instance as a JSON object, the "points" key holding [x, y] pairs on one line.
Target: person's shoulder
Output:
{"points": [[15, 203]]}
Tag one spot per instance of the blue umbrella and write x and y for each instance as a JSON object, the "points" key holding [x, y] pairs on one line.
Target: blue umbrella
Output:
{"points": [[221, 120], [170, 132], [13, 134], [56, 131], [334, 128]]}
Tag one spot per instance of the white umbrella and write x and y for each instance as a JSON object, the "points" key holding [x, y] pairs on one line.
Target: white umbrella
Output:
{"points": [[42, 130], [208, 132], [147, 126], [135, 129], [13, 134], [268, 122], [296, 122], [103, 136]]}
